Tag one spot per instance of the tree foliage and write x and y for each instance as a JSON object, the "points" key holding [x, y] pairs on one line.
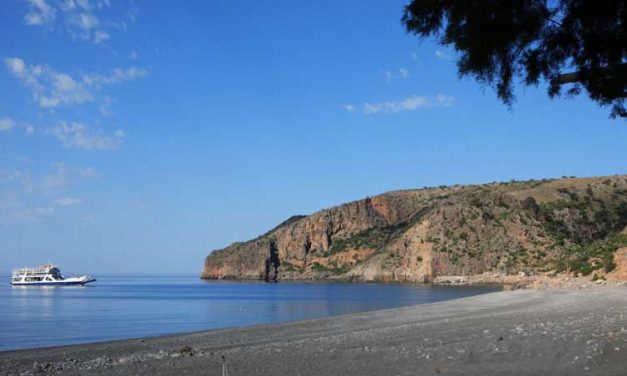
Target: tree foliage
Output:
{"points": [[573, 45]]}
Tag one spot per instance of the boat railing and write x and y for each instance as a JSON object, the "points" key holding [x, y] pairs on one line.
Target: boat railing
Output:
{"points": [[45, 269]]}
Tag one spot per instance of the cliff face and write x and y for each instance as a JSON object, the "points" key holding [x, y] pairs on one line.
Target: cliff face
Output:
{"points": [[416, 235]]}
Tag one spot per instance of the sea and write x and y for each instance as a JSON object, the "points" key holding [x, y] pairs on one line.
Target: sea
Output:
{"points": [[118, 307]]}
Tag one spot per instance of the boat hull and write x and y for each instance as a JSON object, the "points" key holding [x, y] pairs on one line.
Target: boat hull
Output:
{"points": [[53, 283]]}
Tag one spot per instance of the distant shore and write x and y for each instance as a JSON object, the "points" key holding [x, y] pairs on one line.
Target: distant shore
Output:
{"points": [[526, 332], [507, 281]]}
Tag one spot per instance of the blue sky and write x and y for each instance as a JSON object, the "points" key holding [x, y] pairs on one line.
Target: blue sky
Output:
{"points": [[140, 135]]}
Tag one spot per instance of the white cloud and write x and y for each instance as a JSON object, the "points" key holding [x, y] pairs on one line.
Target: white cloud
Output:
{"points": [[402, 74], [63, 176], [78, 17], [51, 88], [411, 103], [84, 21], [40, 13], [68, 201], [19, 177], [408, 104], [103, 4], [105, 106], [84, 5], [388, 76], [24, 196], [444, 100], [6, 124], [117, 76], [21, 212], [86, 26], [16, 66], [133, 55], [70, 5], [13, 208], [101, 36], [132, 13], [441, 54], [28, 128], [64, 89], [58, 179], [86, 173], [349, 107], [79, 136]]}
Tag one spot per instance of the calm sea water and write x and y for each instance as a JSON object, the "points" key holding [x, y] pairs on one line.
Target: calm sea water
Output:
{"points": [[127, 307]]}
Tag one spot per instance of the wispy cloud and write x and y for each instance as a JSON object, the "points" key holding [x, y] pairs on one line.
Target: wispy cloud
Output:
{"points": [[51, 88], [16, 210], [68, 201], [79, 136], [28, 128], [402, 73], [86, 26], [101, 36], [388, 76], [85, 21], [411, 103], [25, 196], [441, 54], [63, 175], [6, 124], [78, 17], [117, 76], [22, 180], [40, 13], [19, 208], [408, 104], [349, 107], [442, 100]]}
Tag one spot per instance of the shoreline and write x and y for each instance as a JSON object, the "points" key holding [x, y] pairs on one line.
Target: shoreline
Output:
{"points": [[507, 282], [555, 331]]}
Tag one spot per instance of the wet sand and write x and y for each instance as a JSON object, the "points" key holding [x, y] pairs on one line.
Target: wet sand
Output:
{"points": [[525, 332]]}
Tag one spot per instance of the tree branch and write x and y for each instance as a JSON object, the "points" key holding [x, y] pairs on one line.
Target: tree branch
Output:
{"points": [[567, 78]]}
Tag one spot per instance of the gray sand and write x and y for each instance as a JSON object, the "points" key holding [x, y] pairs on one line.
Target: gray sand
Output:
{"points": [[556, 332]]}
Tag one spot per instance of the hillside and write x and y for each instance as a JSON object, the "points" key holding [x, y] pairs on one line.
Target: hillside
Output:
{"points": [[569, 224]]}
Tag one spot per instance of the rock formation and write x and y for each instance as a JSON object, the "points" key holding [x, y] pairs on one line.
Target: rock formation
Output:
{"points": [[569, 224]]}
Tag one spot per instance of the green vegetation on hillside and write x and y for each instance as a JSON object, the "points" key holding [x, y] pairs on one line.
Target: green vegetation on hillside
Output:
{"points": [[590, 257], [373, 238]]}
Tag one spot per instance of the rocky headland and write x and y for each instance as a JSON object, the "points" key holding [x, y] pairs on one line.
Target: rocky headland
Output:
{"points": [[516, 233]]}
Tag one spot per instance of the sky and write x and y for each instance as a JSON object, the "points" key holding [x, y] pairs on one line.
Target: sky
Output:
{"points": [[138, 135]]}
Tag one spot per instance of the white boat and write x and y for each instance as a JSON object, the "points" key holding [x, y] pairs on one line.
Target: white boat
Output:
{"points": [[46, 275]]}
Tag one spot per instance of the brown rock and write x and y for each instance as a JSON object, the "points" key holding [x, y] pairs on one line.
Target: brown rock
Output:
{"points": [[620, 260], [418, 235]]}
